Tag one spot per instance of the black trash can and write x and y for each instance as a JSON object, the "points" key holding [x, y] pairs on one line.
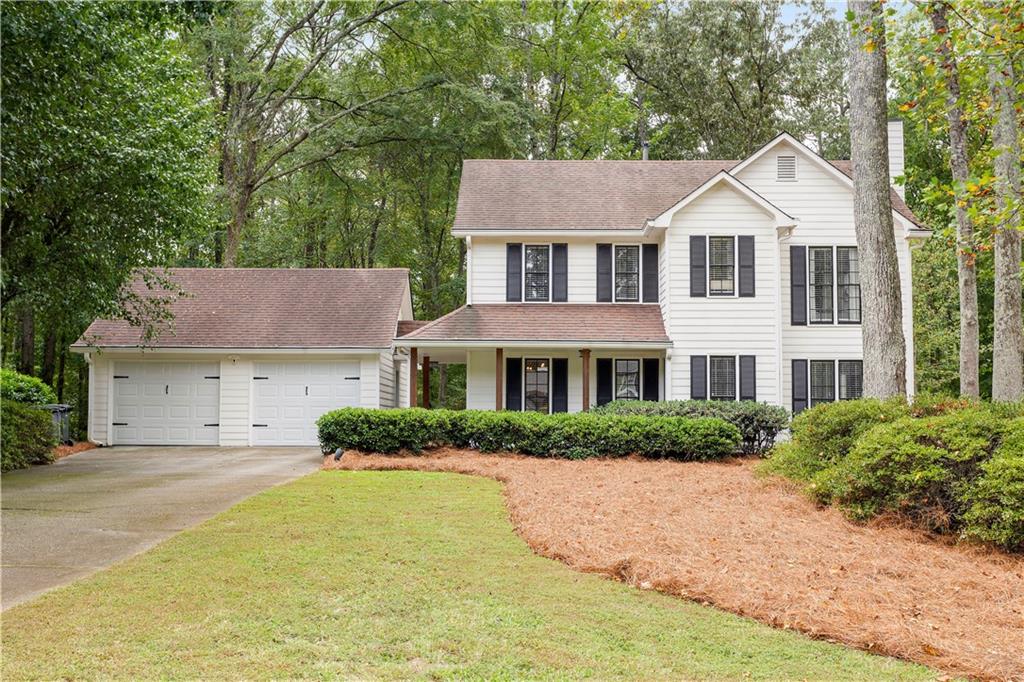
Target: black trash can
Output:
{"points": [[61, 415]]}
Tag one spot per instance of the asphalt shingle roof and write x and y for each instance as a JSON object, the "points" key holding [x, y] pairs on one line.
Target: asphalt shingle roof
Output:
{"points": [[268, 308]]}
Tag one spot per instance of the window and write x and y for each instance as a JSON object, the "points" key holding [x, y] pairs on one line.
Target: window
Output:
{"points": [[847, 284], [819, 277], [851, 379], [723, 378], [786, 168], [537, 272], [721, 265], [823, 381], [536, 386], [627, 273], [627, 379]]}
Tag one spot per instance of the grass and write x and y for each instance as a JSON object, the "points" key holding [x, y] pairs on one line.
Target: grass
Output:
{"points": [[389, 575]]}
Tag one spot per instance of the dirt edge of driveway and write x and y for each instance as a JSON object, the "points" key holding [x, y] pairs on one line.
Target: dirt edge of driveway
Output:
{"points": [[715, 534]]}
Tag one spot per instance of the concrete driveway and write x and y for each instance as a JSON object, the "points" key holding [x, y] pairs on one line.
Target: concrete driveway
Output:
{"points": [[90, 510]]}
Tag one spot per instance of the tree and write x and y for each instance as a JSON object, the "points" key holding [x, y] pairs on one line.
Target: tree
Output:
{"points": [[1008, 351], [885, 355]]}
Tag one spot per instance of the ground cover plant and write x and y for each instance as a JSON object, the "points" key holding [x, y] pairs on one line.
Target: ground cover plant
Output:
{"points": [[389, 575], [574, 436], [950, 466], [759, 423], [26, 436]]}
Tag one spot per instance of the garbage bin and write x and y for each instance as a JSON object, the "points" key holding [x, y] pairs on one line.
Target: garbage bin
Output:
{"points": [[61, 415]]}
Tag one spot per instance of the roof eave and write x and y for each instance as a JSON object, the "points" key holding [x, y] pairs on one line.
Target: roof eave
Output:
{"points": [[405, 342]]}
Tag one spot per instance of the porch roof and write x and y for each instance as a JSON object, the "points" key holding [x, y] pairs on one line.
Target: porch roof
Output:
{"points": [[539, 323]]}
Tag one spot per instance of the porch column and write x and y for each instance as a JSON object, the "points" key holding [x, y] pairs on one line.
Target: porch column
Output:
{"points": [[413, 369], [585, 355], [426, 382], [499, 369]]}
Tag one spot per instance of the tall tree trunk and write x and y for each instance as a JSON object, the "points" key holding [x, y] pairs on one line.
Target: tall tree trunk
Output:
{"points": [[1008, 345], [885, 354], [27, 343], [61, 364], [965, 256], [49, 365]]}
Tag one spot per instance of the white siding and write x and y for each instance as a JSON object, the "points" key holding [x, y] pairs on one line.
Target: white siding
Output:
{"points": [[723, 325], [369, 381], [487, 269], [386, 364], [480, 379], [235, 401], [100, 372], [402, 377], [824, 206]]}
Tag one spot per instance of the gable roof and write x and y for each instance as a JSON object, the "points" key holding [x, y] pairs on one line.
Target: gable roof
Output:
{"points": [[547, 322], [267, 308], [502, 195], [723, 177]]}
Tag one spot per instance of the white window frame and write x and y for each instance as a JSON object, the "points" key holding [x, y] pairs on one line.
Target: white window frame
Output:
{"points": [[835, 285], [839, 397], [639, 271], [796, 167], [525, 359], [550, 268], [860, 288], [735, 265], [735, 374], [639, 374], [810, 385]]}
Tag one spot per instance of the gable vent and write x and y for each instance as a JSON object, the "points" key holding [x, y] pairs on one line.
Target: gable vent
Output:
{"points": [[786, 168]]}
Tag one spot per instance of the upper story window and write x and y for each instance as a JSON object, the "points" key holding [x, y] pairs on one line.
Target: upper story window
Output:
{"points": [[847, 285], [819, 282], [627, 273], [721, 266], [537, 272], [785, 168]]}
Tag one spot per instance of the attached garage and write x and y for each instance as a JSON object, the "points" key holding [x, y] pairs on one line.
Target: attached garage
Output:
{"points": [[251, 357]]}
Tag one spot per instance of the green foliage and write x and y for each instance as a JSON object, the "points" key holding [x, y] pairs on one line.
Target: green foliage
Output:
{"points": [[22, 388], [26, 436], [575, 436], [995, 499], [759, 423]]}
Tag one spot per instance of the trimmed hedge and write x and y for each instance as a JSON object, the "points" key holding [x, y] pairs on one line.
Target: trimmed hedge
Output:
{"points": [[26, 436], [22, 388], [574, 436], [759, 423]]}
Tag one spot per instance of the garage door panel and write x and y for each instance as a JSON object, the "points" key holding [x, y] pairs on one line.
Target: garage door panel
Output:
{"points": [[295, 395], [166, 403]]}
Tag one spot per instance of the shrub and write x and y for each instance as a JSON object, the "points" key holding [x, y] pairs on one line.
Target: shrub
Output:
{"points": [[22, 388], [26, 436], [918, 467], [759, 423], [575, 436], [824, 434], [995, 500]]}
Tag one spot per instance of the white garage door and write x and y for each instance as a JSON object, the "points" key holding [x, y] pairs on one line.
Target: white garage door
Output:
{"points": [[288, 397], [166, 403]]}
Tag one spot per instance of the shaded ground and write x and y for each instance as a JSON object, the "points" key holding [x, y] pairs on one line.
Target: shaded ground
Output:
{"points": [[390, 575], [713, 533], [80, 514]]}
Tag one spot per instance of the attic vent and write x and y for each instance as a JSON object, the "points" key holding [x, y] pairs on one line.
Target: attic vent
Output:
{"points": [[786, 168]]}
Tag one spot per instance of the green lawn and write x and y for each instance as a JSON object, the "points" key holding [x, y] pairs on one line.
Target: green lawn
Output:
{"points": [[389, 575]]}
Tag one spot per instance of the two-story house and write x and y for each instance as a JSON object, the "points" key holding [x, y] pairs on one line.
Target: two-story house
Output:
{"points": [[591, 281]]}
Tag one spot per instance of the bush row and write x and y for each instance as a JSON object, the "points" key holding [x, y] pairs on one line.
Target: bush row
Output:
{"points": [[26, 436], [952, 466], [759, 423], [575, 436], [22, 388]]}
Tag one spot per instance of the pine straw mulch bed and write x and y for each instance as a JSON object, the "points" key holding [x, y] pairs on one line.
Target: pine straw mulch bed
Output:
{"points": [[714, 533], [62, 451]]}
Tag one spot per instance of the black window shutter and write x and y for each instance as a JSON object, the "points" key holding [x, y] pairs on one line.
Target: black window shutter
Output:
{"points": [[698, 266], [746, 265], [748, 377], [698, 377], [651, 378], [604, 273], [604, 381], [798, 284], [514, 384], [559, 384], [514, 272], [799, 386], [650, 270], [560, 272]]}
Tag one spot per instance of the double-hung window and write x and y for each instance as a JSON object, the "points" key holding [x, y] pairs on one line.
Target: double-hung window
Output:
{"points": [[823, 381], [819, 280], [537, 272], [721, 266], [537, 386], [851, 379], [627, 379], [847, 285], [627, 273], [723, 377]]}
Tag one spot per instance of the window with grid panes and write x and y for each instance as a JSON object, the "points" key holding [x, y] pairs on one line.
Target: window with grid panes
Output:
{"points": [[537, 272], [823, 381], [627, 273], [847, 284], [536, 392], [851, 379], [721, 266], [723, 377], [819, 282], [627, 379]]}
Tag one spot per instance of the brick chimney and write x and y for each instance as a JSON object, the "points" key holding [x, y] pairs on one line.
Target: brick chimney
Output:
{"points": [[896, 154]]}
